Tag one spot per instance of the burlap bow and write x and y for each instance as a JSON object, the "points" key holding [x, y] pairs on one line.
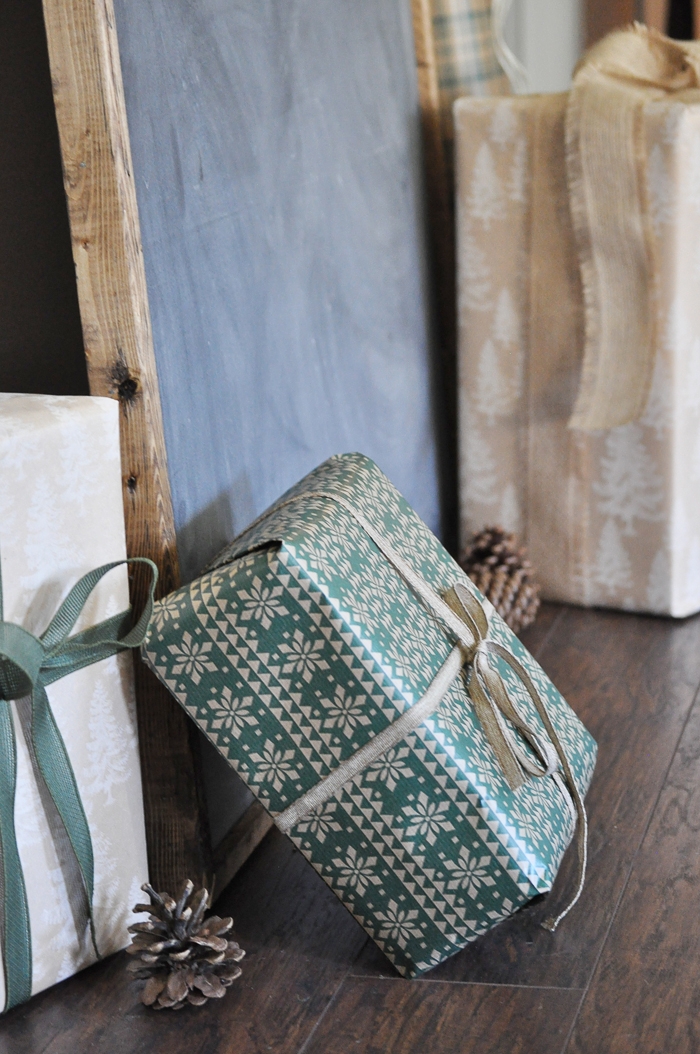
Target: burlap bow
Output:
{"points": [[608, 197], [27, 665]]}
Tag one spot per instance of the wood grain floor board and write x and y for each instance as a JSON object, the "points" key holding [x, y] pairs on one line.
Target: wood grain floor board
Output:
{"points": [[645, 995], [300, 942], [632, 681], [393, 1016], [535, 637], [628, 955]]}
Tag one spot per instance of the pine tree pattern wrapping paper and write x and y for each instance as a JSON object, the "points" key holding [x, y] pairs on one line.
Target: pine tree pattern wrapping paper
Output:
{"points": [[297, 647], [62, 516], [610, 518]]}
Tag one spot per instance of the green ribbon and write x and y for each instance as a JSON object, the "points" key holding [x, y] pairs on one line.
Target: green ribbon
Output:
{"points": [[27, 665]]}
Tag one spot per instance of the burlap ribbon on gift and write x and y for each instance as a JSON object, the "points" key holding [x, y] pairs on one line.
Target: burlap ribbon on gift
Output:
{"points": [[27, 665], [465, 620], [606, 159]]}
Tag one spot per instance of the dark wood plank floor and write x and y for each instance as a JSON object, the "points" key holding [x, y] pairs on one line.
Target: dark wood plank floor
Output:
{"points": [[622, 974]]}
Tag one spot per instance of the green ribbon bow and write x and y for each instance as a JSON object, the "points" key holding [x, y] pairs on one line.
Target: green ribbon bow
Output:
{"points": [[27, 665]]}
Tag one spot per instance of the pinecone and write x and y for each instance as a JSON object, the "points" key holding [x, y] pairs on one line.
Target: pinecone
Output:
{"points": [[501, 570], [183, 957]]}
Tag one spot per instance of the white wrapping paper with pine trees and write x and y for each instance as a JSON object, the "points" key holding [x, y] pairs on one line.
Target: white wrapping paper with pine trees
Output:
{"points": [[62, 516], [611, 517]]}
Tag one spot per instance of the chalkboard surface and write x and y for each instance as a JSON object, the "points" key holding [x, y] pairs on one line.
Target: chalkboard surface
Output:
{"points": [[276, 154]]}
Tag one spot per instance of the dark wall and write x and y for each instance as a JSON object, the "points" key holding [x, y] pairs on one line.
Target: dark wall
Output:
{"points": [[680, 19], [41, 347]]}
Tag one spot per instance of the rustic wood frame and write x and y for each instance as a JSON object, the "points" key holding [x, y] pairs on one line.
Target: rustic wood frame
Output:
{"points": [[106, 242], [439, 194]]}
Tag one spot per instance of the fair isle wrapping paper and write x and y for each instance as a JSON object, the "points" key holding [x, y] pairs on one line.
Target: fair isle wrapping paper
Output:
{"points": [[611, 518], [61, 515], [299, 645]]}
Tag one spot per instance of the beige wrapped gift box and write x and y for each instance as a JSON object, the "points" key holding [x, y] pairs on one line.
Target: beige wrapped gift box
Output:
{"points": [[61, 515], [610, 517]]}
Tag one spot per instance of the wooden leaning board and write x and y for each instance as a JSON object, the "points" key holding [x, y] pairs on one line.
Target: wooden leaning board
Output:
{"points": [[116, 318]]}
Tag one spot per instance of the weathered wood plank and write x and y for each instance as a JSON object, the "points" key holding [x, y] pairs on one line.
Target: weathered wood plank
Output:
{"points": [[235, 848], [656, 14], [439, 195], [106, 242], [115, 315]]}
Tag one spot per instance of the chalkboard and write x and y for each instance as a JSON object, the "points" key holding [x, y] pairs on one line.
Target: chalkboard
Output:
{"points": [[277, 160]]}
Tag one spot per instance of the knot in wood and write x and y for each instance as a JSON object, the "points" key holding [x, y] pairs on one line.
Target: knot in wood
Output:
{"points": [[126, 384]]}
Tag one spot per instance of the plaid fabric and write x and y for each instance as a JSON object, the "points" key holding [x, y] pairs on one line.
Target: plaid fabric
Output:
{"points": [[467, 63]]}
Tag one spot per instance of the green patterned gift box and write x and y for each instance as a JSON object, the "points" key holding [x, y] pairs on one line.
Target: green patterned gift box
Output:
{"points": [[411, 748]]}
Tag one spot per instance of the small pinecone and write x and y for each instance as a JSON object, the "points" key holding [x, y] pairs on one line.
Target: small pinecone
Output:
{"points": [[183, 957], [501, 570]]}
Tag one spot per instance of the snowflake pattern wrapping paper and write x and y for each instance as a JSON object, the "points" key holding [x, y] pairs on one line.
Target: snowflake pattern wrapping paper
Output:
{"points": [[298, 646], [62, 516], [610, 518]]}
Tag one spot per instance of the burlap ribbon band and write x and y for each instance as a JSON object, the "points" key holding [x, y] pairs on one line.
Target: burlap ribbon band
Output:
{"points": [[606, 162]]}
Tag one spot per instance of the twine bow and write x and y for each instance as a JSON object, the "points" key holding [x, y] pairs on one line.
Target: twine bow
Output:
{"points": [[491, 700], [465, 620], [27, 665], [492, 703]]}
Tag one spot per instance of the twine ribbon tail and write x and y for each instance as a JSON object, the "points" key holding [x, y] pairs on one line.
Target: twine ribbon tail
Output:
{"points": [[481, 695], [552, 921], [487, 686], [568, 784]]}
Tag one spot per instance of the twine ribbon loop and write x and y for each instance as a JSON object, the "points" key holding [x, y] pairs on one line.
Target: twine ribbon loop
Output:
{"points": [[29, 663], [492, 703]]}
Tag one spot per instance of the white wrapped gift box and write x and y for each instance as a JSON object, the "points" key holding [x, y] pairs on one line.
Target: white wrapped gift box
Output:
{"points": [[610, 517], [61, 515]]}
